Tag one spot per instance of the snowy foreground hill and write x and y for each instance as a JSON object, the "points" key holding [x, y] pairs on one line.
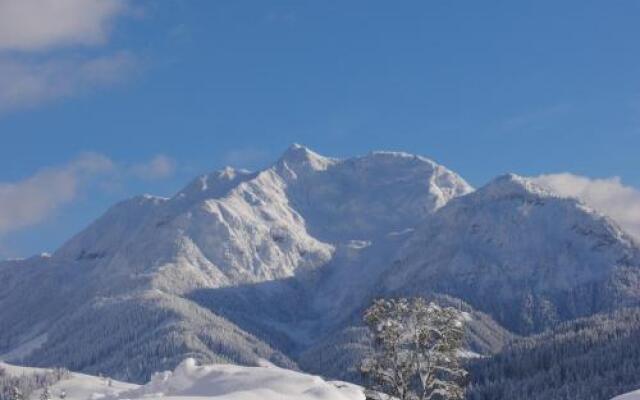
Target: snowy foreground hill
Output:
{"points": [[221, 382], [278, 264], [629, 396], [190, 381]]}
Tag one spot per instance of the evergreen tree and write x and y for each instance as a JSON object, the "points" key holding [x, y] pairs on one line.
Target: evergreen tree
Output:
{"points": [[416, 350]]}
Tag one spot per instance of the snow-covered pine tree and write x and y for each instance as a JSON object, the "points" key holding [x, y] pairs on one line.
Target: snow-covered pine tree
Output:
{"points": [[415, 350]]}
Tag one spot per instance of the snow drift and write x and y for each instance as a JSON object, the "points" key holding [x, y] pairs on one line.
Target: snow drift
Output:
{"points": [[191, 381], [231, 382]]}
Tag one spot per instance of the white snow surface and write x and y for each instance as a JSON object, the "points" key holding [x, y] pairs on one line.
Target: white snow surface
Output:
{"points": [[77, 387], [635, 395], [231, 382], [190, 381]]}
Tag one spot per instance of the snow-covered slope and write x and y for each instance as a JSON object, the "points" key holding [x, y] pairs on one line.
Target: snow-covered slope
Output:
{"points": [[190, 381], [524, 255], [75, 387], [229, 382], [234, 227], [635, 395]]}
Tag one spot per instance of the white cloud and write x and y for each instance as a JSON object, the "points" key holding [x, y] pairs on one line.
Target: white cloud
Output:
{"points": [[158, 167], [28, 25], [610, 196], [33, 72], [29, 83], [32, 200]]}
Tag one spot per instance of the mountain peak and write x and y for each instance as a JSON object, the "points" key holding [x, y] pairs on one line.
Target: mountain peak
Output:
{"points": [[510, 184], [298, 156]]}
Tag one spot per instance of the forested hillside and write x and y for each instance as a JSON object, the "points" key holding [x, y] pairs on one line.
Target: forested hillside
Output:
{"points": [[593, 358]]}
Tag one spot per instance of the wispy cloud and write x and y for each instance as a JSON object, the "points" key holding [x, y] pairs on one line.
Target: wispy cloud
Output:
{"points": [[610, 196], [26, 84], [32, 71], [159, 167], [33, 200], [30, 201], [31, 25]]}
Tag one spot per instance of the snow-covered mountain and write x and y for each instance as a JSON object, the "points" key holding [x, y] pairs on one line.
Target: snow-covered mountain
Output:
{"points": [[522, 254], [277, 264], [234, 227], [191, 275]]}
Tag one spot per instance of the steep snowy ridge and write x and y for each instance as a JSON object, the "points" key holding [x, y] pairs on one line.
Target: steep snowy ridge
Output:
{"points": [[111, 231], [225, 228], [251, 234]]}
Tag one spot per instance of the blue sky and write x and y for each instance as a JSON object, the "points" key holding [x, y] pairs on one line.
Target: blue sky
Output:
{"points": [[142, 96]]}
